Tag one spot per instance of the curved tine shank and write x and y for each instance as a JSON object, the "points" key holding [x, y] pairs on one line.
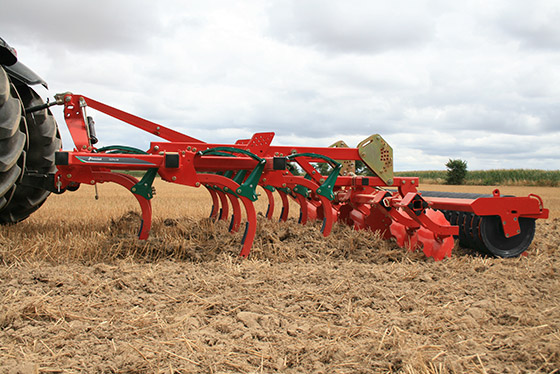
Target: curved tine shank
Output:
{"points": [[128, 181], [302, 201], [215, 203], [236, 216], [285, 206], [224, 211], [270, 209], [251, 228]]}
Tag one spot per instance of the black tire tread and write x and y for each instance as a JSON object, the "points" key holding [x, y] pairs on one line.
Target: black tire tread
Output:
{"points": [[43, 141], [12, 139]]}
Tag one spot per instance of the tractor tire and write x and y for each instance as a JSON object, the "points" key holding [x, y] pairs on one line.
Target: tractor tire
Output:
{"points": [[42, 141], [13, 139]]}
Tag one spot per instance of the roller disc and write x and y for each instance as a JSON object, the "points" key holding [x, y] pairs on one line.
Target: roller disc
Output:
{"points": [[344, 213], [492, 236], [405, 238], [438, 248]]}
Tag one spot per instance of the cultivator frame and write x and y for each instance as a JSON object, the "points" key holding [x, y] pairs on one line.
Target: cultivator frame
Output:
{"points": [[392, 206]]}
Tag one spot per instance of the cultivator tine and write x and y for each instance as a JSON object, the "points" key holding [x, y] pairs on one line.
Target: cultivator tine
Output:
{"points": [[224, 206], [285, 205], [270, 196], [228, 184], [215, 212], [236, 216], [303, 208], [128, 182]]}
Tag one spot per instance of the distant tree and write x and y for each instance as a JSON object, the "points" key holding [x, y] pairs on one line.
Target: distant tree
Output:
{"points": [[362, 169], [456, 171]]}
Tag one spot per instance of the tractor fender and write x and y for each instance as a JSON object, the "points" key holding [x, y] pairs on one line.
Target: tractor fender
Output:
{"points": [[16, 69]]}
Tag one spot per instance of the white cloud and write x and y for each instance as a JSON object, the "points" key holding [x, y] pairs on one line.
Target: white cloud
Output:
{"points": [[473, 80]]}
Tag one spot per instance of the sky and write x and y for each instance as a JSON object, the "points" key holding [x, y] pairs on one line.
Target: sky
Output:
{"points": [[473, 80]]}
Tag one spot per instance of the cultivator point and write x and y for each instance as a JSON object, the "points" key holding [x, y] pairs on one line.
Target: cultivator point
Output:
{"points": [[321, 180]]}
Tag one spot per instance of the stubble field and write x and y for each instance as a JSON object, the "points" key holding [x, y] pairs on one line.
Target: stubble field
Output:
{"points": [[80, 294]]}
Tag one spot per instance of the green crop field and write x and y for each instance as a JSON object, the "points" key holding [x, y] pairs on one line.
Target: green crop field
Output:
{"points": [[504, 177]]}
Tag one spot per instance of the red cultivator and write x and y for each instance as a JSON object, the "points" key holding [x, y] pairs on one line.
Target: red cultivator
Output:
{"points": [[321, 180]]}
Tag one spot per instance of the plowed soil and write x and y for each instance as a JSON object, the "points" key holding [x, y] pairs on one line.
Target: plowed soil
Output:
{"points": [[79, 293]]}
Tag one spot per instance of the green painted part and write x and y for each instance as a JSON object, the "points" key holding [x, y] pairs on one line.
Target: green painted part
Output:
{"points": [[286, 190], [144, 186], [301, 190], [326, 189], [270, 188], [214, 152], [220, 150], [332, 162], [121, 149], [248, 188], [240, 176]]}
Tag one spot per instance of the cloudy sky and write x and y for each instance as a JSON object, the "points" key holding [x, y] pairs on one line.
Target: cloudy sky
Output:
{"points": [[476, 80]]}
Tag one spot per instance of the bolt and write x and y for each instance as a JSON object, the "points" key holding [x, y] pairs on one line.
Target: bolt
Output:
{"points": [[173, 178], [183, 153], [318, 190], [264, 179], [197, 184], [67, 99], [84, 146], [283, 184], [504, 222], [389, 181], [515, 219], [156, 148], [157, 127], [194, 149], [518, 231], [189, 148], [92, 181], [239, 190], [161, 153], [507, 235], [133, 189], [68, 176], [403, 182]]}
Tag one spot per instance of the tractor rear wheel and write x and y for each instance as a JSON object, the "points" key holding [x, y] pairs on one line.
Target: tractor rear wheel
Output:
{"points": [[13, 139], [41, 140]]}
